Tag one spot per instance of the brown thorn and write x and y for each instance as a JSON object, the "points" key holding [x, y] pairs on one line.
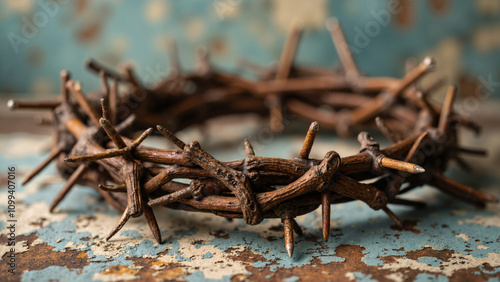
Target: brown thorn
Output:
{"points": [[13, 104], [104, 83], [463, 164], [126, 124], [80, 170], [248, 148], [113, 135], [309, 140], [460, 190], [388, 133], [342, 47], [96, 157], [153, 224], [393, 217], [471, 151], [129, 71], [113, 188], [65, 76], [108, 197], [125, 217], [171, 198], [447, 108], [427, 105], [177, 142], [140, 139], [288, 232], [105, 109], [401, 166], [93, 65], [76, 89], [325, 213], [113, 100], [40, 167], [416, 146]]}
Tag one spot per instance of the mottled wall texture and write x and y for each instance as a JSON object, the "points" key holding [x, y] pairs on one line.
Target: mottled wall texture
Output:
{"points": [[39, 38]]}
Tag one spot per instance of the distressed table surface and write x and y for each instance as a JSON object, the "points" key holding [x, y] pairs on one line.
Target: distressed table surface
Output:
{"points": [[449, 240]]}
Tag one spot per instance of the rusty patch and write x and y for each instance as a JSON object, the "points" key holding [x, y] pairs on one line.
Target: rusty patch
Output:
{"points": [[41, 256], [409, 225], [90, 32], [406, 17], [439, 6]]}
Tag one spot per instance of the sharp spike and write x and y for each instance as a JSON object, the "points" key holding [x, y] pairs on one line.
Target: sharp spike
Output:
{"points": [[171, 198], [248, 148], [405, 202], [325, 212], [287, 226], [309, 140], [113, 188], [80, 170], [126, 124], [153, 224], [447, 108], [96, 157], [297, 228], [388, 133], [93, 65], [427, 105], [171, 137], [40, 167], [461, 191], [342, 47], [401, 166], [394, 218], [104, 83], [105, 109], [113, 135], [141, 138], [65, 76], [76, 89], [479, 152], [125, 217], [13, 104]]}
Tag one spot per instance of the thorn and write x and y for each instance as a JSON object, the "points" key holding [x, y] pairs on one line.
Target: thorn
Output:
{"points": [[325, 203], [141, 138], [248, 148], [40, 167], [309, 140], [405, 202], [340, 43], [125, 217], [96, 157], [113, 135], [80, 170], [105, 109], [388, 133], [113, 188], [171, 198], [171, 137], [401, 165], [447, 108], [287, 225], [394, 218], [12, 105], [65, 76], [153, 224], [76, 89]]}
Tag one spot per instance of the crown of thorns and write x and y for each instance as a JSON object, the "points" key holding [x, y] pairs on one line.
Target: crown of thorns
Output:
{"points": [[256, 187]]}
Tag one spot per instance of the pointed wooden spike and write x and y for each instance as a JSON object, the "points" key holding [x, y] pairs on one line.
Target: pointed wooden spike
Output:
{"points": [[388, 133], [309, 140], [401, 166], [108, 197], [112, 101], [113, 135], [461, 191], [427, 105], [76, 89], [104, 83], [325, 213], [416, 147], [175, 67], [342, 47], [113, 188], [129, 71], [171, 198], [153, 224], [141, 138], [248, 148], [394, 218], [289, 50], [65, 76], [96, 157], [288, 231], [94, 66], [80, 170], [105, 109], [177, 142], [479, 152], [40, 167], [125, 217], [13, 104], [447, 108], [126, 124]]}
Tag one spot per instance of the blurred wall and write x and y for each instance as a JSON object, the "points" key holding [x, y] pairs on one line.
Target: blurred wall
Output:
{"points": [[39, 38]]}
